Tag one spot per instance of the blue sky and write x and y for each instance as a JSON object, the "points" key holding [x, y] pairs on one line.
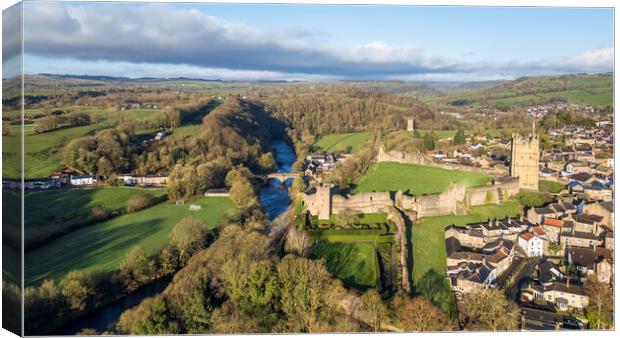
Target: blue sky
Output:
{"points": [[315, 42]]}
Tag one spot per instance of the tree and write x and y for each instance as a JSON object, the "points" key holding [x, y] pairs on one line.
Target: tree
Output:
{"points": [[601, 304], [77, 289], [429, 141], [188, 236], [243, 195], [137, 269], [372, 310], [419, 314], [302, 283], [151, 316], [488, 309], [459, 137], [266, 161], [297, 241], [254, 291]]}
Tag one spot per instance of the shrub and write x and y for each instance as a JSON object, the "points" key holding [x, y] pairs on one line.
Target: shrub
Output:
{"points": [[139, 202]]}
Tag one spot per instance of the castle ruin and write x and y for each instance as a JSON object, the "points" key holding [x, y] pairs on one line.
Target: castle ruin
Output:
{"points": [[410, 124], [524, 159]]}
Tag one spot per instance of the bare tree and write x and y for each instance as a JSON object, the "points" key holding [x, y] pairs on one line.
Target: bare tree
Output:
{"points": [[297, 241]]}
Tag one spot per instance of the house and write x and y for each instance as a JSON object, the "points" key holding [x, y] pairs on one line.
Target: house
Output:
{"points": [[80, 180], [565, 295], [531, 244], [217, 193], [548, 172], [553, 210], [553, 227], [569, 237], [146, 180], [587, 223], [467, 277], [598, 192], [575, 166]]}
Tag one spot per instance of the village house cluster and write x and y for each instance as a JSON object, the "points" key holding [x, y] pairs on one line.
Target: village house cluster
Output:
{"points": [[565, 243]]}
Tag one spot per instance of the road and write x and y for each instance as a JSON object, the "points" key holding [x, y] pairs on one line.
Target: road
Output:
{"points": [[514, 283]]}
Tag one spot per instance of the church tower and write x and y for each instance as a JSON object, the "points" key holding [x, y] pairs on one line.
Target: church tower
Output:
{"points": [[524, 160]]}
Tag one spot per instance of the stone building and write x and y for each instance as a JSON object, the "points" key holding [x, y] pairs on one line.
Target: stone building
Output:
{"points": [[410, 124], [524, 160]]}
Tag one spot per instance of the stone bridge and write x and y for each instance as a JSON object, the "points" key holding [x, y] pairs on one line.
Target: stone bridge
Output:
{"points": [[282, 177]]}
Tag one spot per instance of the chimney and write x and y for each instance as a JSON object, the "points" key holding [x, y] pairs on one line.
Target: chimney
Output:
{"points": [[490, 222], [567, 282], [521, 218]]}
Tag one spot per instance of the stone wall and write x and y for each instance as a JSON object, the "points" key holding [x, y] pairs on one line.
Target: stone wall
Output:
{"points": [[423, 159], [367, 202]]}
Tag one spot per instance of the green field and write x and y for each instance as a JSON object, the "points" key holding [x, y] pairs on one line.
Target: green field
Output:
{"points": [[56, 211], [348, 142], [429, 250], [103, 246], [442, 134], [596, 90], [355, 263], [40, 150], [414, 179]]}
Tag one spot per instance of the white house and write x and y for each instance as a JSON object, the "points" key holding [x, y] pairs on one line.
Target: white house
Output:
{"points": [[82, 180], [532, 244]]}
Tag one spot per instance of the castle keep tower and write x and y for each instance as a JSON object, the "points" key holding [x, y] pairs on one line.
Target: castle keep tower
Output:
{"points": [[524, 160]]}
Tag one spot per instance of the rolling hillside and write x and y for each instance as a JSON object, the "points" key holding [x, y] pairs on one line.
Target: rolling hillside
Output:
{"points": [[588, 90]]}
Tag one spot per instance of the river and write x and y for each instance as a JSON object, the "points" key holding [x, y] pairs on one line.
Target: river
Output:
{"points": [[273, 197]]}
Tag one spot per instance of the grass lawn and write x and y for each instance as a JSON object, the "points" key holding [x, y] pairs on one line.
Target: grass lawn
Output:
{"points": [[550, 186], [355, 263], [54, 211], [348, 142], [414, 179], [101, 247], [429, 249], [190, 130]]}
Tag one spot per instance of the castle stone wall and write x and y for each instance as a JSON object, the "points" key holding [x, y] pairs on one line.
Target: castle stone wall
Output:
{"points": [[423, 159], [369, 202]]}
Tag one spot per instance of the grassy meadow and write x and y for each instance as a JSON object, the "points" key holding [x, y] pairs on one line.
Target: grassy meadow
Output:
{"points": [[414, 179], [101, 247], [596, 90], [347, 142], [355, 263], [41, 151], [56, 211]]}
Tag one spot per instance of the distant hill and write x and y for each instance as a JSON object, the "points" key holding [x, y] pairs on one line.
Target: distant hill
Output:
{"points": [[590, 90]]}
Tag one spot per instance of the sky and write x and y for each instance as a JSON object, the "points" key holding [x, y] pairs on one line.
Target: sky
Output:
{"points": [[312, 42]]}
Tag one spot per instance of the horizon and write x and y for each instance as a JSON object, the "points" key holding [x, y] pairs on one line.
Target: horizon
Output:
{"points": [[67, 75], [314, 43]]}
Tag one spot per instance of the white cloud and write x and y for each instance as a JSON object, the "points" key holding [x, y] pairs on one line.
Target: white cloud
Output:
{"points": [[159, 34]]}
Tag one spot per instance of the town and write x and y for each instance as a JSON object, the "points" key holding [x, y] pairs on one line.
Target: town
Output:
{"points": [[251, 169]]}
